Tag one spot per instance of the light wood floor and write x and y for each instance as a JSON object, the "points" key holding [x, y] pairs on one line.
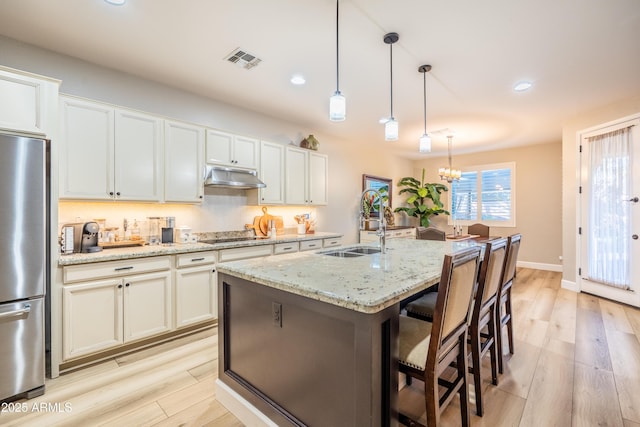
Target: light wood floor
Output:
{"points": [[576, 363]]}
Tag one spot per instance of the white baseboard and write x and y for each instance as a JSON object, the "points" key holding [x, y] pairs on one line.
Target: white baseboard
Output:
{"points": [[248, 414], [540, 266], [569, 285]]}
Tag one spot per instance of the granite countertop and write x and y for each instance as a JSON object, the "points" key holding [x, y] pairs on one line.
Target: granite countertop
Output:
{"points": [[113, 254], [368, 284]]}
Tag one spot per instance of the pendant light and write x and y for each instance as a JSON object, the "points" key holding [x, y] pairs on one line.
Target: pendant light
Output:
{"points": [[337, 103], [449, 174], [391, 126], [425, 140]]}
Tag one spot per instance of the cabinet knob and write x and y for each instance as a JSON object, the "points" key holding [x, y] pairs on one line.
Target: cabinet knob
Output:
{"points": [[213, 271], [118, 194], [111, 193], [120, 286], [200, 197], [127, 284]]}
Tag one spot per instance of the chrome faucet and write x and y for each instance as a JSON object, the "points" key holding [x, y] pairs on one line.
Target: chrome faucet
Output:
{"points": [[382, 224]]}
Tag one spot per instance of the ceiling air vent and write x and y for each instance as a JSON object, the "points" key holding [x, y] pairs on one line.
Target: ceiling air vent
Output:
{"points": [[243, 59]]}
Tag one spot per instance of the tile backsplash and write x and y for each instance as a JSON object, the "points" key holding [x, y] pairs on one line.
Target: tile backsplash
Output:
{"points": [[225, 212]]}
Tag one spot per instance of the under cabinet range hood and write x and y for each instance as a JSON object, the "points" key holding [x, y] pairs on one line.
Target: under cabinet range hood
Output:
{"points": [[219, 176]]}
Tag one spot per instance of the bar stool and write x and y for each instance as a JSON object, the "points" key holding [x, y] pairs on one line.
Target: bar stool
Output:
{"points": [[427, 349]]}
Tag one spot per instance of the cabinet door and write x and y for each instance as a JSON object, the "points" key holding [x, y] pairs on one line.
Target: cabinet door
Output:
{"points": [[245, 152], [272, 173], [219, 147], [318, 179], [196, 295], [296, 176], [86, 150], [91, 317], [137, 155], [23, 102], [183, 162], [147, 305]]}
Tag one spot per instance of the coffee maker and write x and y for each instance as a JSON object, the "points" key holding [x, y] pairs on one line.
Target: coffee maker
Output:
{"points": [[167, 230], [89, 239]]}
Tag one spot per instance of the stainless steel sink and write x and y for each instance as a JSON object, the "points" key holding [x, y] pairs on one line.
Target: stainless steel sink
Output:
{"points": [[352, 252], [365, 250], [341, 254]]}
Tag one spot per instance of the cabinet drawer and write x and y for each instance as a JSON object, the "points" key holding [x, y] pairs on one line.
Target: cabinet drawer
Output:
{"points": [[335, 241], [407, 233], [308, 245], [246, 252], [77, 273], [195, 258], [283, 248]]}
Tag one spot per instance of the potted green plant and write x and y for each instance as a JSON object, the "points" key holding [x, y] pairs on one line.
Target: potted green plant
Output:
{"points": [[420, 193]]}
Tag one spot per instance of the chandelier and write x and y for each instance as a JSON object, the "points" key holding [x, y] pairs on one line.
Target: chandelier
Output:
{"points": [[449, 174]]}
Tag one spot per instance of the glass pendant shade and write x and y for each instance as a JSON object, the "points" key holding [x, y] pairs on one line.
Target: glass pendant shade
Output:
{"points": [[425, 143], [391, 130], [337, 107]]}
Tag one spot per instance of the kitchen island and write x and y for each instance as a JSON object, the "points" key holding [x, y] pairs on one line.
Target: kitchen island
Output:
{"points": [[312, 338]]}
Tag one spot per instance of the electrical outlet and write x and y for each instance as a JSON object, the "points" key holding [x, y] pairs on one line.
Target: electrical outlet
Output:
{"points": [[276, 311]]}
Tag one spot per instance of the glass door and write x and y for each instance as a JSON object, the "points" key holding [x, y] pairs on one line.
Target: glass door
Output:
{"points": [[610, 212]]}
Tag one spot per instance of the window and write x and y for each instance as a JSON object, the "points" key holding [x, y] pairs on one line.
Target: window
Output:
{"points": [[484, 194]]}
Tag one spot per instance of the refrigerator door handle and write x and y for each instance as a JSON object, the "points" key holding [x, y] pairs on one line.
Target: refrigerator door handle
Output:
{"points": [[15, 313]]}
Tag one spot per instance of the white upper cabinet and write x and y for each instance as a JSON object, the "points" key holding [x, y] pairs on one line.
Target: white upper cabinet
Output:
{"points": [[86, 154], [27, 102], [232, 150], [318, 179], [306, 177], [137, 155], [109, 153], [296, 176], [272, 173], [183, 162]]}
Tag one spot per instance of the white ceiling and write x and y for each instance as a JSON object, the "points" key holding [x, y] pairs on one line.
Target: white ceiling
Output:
{"points": [[580, 55]]}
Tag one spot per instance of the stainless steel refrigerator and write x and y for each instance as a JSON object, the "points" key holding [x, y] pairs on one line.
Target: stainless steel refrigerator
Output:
{"points": [[24, 200]]}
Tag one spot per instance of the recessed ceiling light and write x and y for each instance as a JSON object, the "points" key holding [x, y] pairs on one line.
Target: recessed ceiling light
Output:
{"points": [[298, 80], [522, 86], [116, 2]]}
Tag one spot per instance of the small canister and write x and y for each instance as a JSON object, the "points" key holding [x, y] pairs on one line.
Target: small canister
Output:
{"points": [[183, 234]]}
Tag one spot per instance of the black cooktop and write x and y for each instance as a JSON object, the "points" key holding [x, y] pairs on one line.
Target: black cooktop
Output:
{"points": [[230, 239]]}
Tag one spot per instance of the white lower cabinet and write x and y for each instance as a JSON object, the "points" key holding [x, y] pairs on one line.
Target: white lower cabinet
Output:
{"points": [[147, 305], [196, 288], [309, 245], [131, 300], [92, 317]]}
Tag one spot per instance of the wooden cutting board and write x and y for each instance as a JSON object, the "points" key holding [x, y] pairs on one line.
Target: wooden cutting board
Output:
{"points": [[279, 224], [256, 226], [264, 221]]}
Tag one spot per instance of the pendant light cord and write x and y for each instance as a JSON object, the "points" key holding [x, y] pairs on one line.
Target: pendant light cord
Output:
{"points": [[391, 68], [424, 76], [337, 46], [449, 146]]}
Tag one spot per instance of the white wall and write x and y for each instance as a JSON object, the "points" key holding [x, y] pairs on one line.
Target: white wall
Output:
{"points": [[220, 211], [538, 198]]}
